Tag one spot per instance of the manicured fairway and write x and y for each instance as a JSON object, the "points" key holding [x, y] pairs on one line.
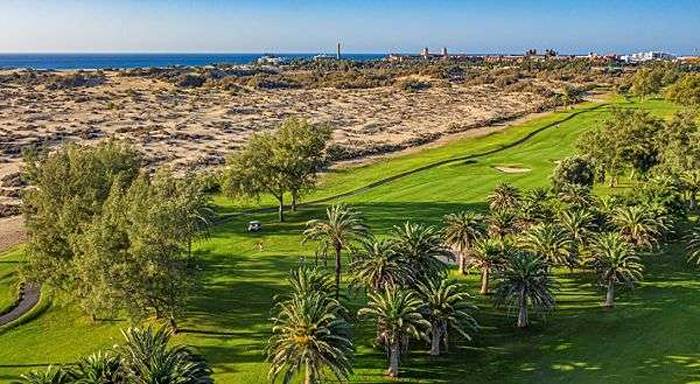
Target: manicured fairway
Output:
{"points": [[648, 338]]}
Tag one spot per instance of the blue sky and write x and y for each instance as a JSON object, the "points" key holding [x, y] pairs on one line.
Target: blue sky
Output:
{"points": [[362, 25]]}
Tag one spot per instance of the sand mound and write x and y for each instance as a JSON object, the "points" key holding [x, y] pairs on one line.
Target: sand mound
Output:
{"points": [[511, 169]]}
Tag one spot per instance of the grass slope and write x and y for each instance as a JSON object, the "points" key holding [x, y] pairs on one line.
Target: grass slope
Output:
{"points": [[646, 339]]}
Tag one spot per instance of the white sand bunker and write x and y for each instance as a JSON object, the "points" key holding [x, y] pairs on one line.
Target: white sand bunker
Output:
{"points": [[512, 169]]}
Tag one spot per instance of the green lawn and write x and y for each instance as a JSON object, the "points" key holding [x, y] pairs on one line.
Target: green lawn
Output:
{"points": [[8, 279], [647, 338]]}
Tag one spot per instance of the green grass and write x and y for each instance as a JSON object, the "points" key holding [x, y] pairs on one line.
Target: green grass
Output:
{"points": [[647, 338], [8, 279]]}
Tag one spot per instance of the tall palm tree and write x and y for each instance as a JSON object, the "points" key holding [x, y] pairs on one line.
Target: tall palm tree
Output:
{"points": [[99, 368], [461, 230], [310, 336], [502, 223], [305, 280], [615, 261], [51, 375], [398, 317], [693, 246], [146, 358], [525, 281], [488, 254], [549, 242], [423, 250], [447, 307], [504, 197], [342, 226], [578, 224], [377, 264], [638, 225]]}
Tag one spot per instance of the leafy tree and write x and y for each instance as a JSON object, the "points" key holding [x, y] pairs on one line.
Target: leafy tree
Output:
{"points": [[284, 161], [68, 190], [146, 358], [461, 230], [628, 140], [342, 226], [377, 265], [136, 254], [548, 241], [647, 82], [638, 225], [576, 170], [686, 91], [489, 254], [423, 250], [311, 336], [304, 145], [446, 305], [693, 246], [398, 317], [525, 281], [615, 262], [504, 197]]}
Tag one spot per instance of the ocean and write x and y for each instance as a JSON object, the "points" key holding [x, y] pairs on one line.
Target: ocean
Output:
{"points": [[66, 61]]}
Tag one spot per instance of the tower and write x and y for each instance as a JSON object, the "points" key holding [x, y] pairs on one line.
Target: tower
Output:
{"points": [[337, 52]]}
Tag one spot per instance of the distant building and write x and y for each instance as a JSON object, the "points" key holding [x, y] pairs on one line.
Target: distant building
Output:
{"points": [[642, 57]]}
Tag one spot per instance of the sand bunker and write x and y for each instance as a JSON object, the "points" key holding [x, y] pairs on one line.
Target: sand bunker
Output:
{"points": [[512, 169]]}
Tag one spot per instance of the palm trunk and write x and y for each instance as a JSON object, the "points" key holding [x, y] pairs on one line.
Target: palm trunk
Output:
{"points": [[462, 262], [337, 272], [522, 315], [610, 297], [394, 352], [280, 209], [435, 341], [485, 280]]}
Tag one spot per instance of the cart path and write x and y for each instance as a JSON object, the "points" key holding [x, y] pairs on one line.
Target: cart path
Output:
{"points": [[29, 297]]}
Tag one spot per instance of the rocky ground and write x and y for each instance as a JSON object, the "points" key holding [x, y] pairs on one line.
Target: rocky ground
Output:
{"points": [[198, 127]]}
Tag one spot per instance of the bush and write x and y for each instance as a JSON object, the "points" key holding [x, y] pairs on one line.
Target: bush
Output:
{"points": [[574, 170]]}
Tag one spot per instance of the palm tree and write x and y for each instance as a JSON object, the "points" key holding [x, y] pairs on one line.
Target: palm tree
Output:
{"points": [[578, 224], [447, 307], [577, 196], [422, 249], [615, 262], [693, 246], [504, 197], [549, 242], [461, 230], [377, 264], [524, 280], [690, 181], [638, 225], [534, 207], [343, 225], [310, 335], [99, 368], [51, 375], [305, 280], [146, 358], [502, 223], [488, 254], [398, 317]]}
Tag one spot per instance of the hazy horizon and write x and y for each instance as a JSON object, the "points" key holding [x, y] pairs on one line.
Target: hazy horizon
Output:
{"points": [[363, 27]]}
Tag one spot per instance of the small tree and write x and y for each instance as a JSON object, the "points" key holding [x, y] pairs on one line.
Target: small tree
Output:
{"points": [[504, 197], [647, 82], [577, 170], [398, 317], [378, 265], [461, 230], [549, 242], [686, 91], [447, 307], [422, 249], [615, 262], [489, 254], [342, 226], [525, 281]]}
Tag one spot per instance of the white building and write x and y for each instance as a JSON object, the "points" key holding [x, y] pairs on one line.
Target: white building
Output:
{"points": [[641, 57]]}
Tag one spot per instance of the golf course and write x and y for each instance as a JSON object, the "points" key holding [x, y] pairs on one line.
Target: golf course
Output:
{"points": [[645, 338]]}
